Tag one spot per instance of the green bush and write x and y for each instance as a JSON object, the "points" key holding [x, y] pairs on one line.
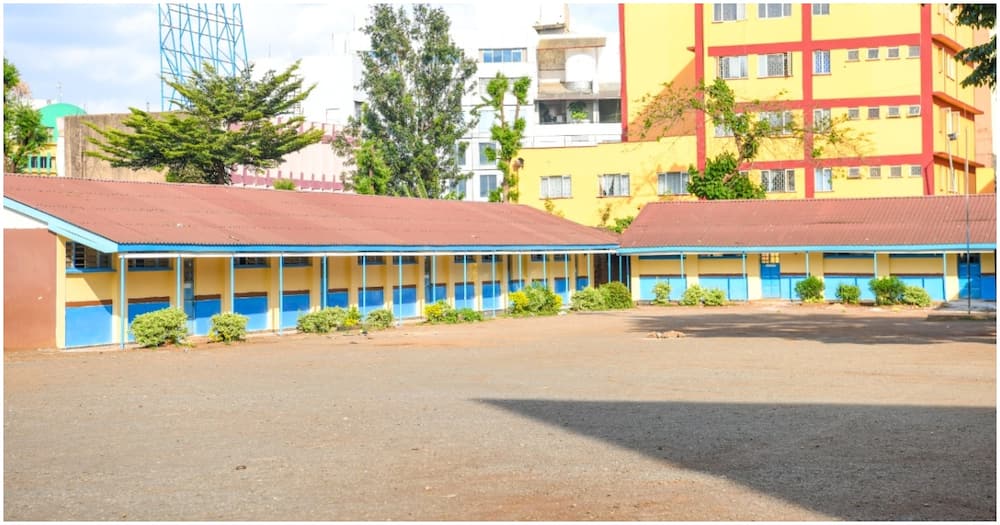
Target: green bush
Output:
{"points": [[810, 289], [352, 318], [661, 293], [379, 319], [693, 296], [887, 290], [323, 321], [616, 296], [440, 312], [284, 184], [468, 315], [168, 325], [916, 296], [228, 327], [849, 294], [588, 299], [535, 300], [714, 297]]}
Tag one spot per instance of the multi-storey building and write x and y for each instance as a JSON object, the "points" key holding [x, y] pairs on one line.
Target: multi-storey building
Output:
{"points": [[889, 69], [46, 161]]}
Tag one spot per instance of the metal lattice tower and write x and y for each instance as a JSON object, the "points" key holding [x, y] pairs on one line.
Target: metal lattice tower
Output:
{"points": [[192, 34]]}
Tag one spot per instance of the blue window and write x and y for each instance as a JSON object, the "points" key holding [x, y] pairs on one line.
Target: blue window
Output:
{"points": [[464, 259], [560, 257], [148, 264], [490, 258], [297, 261], [250, 262], [368, 260], [487, 184], [405, 259], [503, 55], [821, 62], [81, 258], [824, 179], [537, 257]]}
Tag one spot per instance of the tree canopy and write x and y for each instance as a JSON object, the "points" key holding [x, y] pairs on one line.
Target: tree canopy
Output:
{"points": [[507, 133], [407, 141], [983, 56], [23, 132], [222, 123]]}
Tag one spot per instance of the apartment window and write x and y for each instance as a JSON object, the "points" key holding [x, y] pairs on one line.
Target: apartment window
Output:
{"points": [[823, 178], [503, 55], [672, 183], [821, 62], [948, 123], [774, 65], [874, 172], [487, 183], [913, 111], [950, 64], [892, 112], [80, 257], [852, 55], [461, 153], [895, 172], [457, 187], [892, 52], [484, 159], [250, 262], [486, 118], [728, 12], [915, 171], [614, 185], [853, 113], [722, 130], [148, 264], [822, 119], [779, 120], [774, 10], [733, 67], [369, 260], [873, 113], [871, 53], [556, 187], [609, 111], [777, 181], [297, 261], [913, 51], [821, 9]]}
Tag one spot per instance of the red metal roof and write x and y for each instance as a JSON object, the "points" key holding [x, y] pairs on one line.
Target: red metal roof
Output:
{"points": [[906, 221], [196, 214]]}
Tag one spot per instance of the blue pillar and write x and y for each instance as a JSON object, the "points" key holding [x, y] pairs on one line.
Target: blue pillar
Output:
{"points": [[434, 278], [566, 273], [520, 274], [746, 282], [364, 280], [323, 283], [807, 265], [545, 269], [683, 275], [232, 283], [590, 282], [496, 290], [399, 296], [281, 289], [609, 266], [620, 269], [122, 303], [177, 272], [875, 264], [465, 278]]}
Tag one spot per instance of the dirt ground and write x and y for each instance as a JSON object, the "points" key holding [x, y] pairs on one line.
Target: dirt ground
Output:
{"points": [[760, 412]]}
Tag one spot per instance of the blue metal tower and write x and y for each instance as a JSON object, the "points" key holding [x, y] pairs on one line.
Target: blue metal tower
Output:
{"points": [[192, 34]]}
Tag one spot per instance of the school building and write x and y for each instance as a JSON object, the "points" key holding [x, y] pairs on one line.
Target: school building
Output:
{"points": [[83, 257], [760, 249]]}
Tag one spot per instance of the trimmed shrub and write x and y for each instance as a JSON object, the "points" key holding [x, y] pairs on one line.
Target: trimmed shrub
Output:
{"points": [[440, 312], [849, 294], [661, 293], [616, 296], [323, 321], [284, 184], [810, 289], [887, 290], [379, 319], [535, 300], [588, 299], [228, 327], [168, 325], [352, 318], [714, 297], [915, 295], [693, 296], [468, 315]]}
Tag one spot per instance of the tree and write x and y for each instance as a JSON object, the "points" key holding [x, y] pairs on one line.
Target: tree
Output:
{"points": [[506, 133], [984, 56], [750, 129], [223, 122], [23, 132], [415, 77]]}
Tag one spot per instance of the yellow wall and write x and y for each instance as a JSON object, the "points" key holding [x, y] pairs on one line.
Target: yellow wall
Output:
{"points": [[858, 20]]}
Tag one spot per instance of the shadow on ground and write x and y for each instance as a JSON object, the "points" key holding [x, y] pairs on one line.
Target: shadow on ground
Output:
{"points": [[855, 462], [820, 327]]}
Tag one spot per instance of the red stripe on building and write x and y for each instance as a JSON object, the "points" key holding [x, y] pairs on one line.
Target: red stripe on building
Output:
{"points": [[624, 81], [774, 105], [875, 160], [807, 99], [699, 74], [832, 43], [926, 102]]}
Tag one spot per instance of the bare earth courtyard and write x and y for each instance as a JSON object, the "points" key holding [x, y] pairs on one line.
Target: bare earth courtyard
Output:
{"points": [[759, 413]]}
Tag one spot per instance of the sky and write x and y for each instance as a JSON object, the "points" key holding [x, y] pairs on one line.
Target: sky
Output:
{"points": [[105, 58]]}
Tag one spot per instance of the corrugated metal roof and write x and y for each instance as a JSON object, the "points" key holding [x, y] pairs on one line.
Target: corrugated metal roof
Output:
{"points": [[205, 215], [907, 221]]}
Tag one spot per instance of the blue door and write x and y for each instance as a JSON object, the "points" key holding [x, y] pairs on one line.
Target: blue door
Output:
{"points": [[562, 288], [465, 295], [491, 295], [189, 294], [404, 302], [970, 278], [770, 280]]}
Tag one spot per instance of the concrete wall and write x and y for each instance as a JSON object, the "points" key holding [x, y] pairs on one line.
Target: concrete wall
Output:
{"points": [[79, 165]]}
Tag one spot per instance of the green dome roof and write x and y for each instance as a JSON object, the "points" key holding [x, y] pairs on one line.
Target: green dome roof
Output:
{"points": [[53, 111]]}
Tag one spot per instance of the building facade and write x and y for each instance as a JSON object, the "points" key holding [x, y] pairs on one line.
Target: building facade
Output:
{"points": [[887, 69], [46, 161]]}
